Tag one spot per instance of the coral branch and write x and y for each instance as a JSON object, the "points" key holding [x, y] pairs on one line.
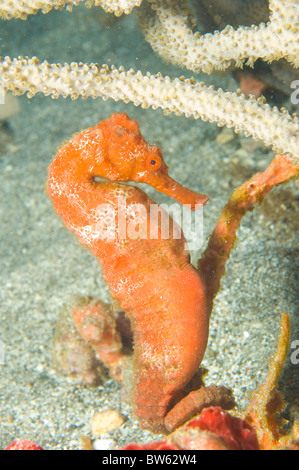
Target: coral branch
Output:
{"points": [[267, 401], [16, 9], [212, 262], [168, 26], [170, 34], [180, 96]]}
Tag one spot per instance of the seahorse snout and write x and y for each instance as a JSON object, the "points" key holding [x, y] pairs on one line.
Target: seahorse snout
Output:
{"points": [[167, 185]]}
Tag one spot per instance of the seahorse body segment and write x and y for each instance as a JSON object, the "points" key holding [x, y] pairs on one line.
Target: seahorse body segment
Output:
{"points": [[150, 276]]}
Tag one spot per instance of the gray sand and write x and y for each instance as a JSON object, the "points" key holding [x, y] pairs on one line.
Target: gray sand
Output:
{"points": [[42, 264]]}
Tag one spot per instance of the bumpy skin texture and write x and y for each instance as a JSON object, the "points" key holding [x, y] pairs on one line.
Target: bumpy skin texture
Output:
{"points": [[151, 278]]}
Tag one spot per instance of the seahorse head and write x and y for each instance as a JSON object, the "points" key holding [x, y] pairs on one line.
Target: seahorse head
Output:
{"points": [[128, 157]]}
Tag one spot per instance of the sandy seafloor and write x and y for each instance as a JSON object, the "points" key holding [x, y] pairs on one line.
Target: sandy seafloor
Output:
{"points": [[42, 264]]}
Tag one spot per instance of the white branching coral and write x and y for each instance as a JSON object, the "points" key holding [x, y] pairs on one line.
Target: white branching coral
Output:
{"points": [[169, 30], [21, 8], [179, 95]]}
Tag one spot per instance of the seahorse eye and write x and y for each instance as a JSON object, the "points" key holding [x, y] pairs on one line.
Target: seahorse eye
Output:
{"points": [[153, 162]]}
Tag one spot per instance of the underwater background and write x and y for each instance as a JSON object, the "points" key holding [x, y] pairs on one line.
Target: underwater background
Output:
{"points": [[43, 266]]}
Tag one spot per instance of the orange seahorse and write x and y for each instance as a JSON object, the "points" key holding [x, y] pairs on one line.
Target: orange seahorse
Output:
{"points": [[167, 300], [151, 278]]}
